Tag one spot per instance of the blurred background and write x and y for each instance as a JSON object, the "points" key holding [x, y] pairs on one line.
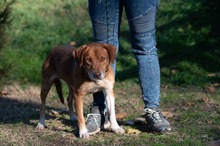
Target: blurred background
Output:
{"points": [[188, 39]]}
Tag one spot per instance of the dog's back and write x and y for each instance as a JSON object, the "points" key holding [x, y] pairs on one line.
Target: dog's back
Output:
{"points": [[59, 63]]}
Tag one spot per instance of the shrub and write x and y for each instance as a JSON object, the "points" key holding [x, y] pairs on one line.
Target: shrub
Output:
{"points": [[5, 19]]}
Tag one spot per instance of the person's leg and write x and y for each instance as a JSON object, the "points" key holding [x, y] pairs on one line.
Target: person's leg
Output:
{"points": [[141, 16], [105, 17]]}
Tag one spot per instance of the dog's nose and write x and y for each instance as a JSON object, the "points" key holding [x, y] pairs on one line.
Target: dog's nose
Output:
{"points": [[97, 75]]}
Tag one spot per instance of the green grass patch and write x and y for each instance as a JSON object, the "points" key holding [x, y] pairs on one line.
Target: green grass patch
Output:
{"points": [[195, 118], [187, 40], [188, 48]]}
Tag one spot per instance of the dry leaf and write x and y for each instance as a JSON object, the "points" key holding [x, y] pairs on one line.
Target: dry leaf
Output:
{"points": [[123, 83], [133, 131], [121, 115], [214, 74], [189, 104], [211, 89], [205, 100], [4, 92], [168, 114], [73, 43], [54, 113]]}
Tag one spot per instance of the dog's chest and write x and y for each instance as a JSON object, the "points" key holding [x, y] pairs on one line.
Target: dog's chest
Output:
{"points": [[95, 86]]}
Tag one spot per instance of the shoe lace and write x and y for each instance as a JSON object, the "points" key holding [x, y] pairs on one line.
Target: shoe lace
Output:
{"points": [[154, 115], [91, 118]]}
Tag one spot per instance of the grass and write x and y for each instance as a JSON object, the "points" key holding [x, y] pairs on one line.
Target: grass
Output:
{"points": [[187, 41], [36, 29], [194, 118]]}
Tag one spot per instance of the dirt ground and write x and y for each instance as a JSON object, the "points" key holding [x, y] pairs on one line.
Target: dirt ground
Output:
{"points": [[19, 115]]}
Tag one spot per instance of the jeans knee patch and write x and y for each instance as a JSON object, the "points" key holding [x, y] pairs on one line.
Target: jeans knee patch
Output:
{"points": [[143, 23], [144, 43]]}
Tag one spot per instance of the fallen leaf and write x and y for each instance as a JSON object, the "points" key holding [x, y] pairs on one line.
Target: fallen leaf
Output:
{"points": [[164, 86], [73, 43], [168, 114], [54, 113], [213, 74], [133, 131], [205, 100], [211, 89], [123, 83], [121, 115], [189, 104], [216, 84], [173, 72], [4, 92]]}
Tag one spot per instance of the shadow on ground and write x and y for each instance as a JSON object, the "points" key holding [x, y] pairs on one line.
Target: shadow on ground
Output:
{"points": [[14, 111]]}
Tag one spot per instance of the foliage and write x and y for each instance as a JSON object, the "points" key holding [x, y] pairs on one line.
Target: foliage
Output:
{"points": [[5, 19], [187, 39], [39, 27]]}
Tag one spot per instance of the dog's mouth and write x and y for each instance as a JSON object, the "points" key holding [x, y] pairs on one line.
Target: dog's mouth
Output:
{"points": [[96, 76]]}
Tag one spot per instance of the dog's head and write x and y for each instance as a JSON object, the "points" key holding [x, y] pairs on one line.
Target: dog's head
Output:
{"points": [[95, 58]]}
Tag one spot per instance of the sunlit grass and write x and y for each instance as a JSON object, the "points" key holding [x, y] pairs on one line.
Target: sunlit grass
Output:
{"points": [[187, 46]]}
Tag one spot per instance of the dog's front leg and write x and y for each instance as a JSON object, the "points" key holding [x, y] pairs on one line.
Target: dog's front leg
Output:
{"points": [[111, 105], [78, 101]]}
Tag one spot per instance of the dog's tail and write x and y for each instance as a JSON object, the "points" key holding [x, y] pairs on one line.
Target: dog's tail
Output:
{"points": [[59, 89]]}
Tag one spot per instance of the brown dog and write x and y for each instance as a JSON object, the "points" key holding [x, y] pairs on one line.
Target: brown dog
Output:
{"points": [[87, 69]]}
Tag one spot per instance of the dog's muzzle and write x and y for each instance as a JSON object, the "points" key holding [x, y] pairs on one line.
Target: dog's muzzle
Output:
{"points": [[96, 76]]}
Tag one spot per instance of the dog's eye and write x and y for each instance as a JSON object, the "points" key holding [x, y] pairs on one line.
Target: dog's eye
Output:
{"points": [[88, 59], [102, 59]]}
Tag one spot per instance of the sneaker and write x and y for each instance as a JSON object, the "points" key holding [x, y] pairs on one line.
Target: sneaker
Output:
{"points": [[156, 121], [93, 121]]}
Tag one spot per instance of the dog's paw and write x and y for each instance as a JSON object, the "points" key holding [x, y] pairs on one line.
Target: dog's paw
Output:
{"points": [[119, 130], [84, 134], [40, 126]]}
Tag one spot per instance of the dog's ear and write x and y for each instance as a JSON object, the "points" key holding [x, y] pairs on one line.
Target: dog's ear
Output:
{"points": [[111, 51], [78, 54]]}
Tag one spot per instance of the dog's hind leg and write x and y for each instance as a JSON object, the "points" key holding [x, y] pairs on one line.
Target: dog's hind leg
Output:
{"points": [[45, 88], [58, 86], [72, 113]]}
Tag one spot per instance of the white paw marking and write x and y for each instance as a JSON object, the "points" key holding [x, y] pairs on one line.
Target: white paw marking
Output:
{"points": [[83, 133], [40, 126], [118, 130]]}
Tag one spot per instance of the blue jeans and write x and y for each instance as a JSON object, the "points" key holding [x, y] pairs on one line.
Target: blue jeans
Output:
{"points": [[141, 14]]}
